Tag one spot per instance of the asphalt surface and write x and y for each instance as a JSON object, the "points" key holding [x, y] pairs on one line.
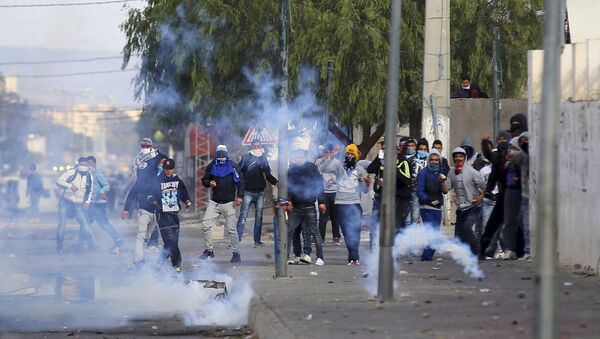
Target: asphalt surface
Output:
{"points": [[433, 299]]}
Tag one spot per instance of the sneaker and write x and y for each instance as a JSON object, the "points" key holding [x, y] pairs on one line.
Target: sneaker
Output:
{"points": [[152, 249], [178, 269], [305, 258], [509, 255], [138, 264], [236, 257], [336, 241], [354, 263], [319, 262], [260, 243], [207, 255], [293, 261], [526, 256], [116, 250]]}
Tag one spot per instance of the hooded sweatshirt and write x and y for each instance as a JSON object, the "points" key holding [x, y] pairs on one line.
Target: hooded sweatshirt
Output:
{"points": [[328, 168], [84, 181], [255, 168], [521, 119], [467, 184], [305, 184], [429, 188], [229, 181], [169, 192], [350, 182]]}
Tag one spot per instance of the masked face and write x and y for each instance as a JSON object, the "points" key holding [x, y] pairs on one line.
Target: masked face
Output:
{"points": [[410, 150], [350, 161], [465, 84], [145, 150], [83, 168], [422, 154], [525, 147]]}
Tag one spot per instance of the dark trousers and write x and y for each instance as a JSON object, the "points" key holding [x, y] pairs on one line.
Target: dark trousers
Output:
{"points": [[153, 241], [330, 214], [465, 219], [403, 206], [305, 217], [168, 223], [350, 219], [512, 208], [493, 224]]}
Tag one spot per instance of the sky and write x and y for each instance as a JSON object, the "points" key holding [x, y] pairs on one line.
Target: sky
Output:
{"points": [[93, 27], [66, 32]]}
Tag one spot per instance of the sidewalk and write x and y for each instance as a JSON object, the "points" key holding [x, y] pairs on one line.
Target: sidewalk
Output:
{"points": [[433, 300]]}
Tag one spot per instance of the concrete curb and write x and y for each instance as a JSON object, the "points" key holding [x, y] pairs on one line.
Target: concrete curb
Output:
{"points": [[265, 322]]}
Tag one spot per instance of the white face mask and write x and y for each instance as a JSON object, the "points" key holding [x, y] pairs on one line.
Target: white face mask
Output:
{"points": [[145, 150], [466, 87], [81, 168]]}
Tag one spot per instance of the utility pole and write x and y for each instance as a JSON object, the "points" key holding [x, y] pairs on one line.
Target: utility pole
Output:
{"points": [[496, 80], [325, 130], [282, 145], [435, 121], [388, 206], [545, 325]]}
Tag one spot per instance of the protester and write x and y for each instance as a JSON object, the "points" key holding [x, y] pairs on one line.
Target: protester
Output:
{"points": [[305, 187], [147, 166], [469, 187], [518, 125], [328, 165], [468, 89], [512, 202], [35, 190], [352, 181], [431, 187], [445, 167], [222, 177], [403, 191], [168, 193], [496, 181], [98, 206], [77, 186], [521, 160], [255, 168]]}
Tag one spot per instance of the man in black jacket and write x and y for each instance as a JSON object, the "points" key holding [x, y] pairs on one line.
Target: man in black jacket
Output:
{"points": [[168, 192], [223, 177], [305, 188], [403, 191], [254, 166]]}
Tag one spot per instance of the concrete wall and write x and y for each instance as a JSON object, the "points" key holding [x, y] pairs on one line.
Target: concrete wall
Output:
{"points": [[579, 143], [474, 118]]}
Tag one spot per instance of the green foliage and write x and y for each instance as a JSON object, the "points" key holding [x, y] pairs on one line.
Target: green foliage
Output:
{"points": [[471, 24], [195, 52]]}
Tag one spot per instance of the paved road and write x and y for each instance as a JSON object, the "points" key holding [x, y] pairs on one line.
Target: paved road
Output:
{"points": [[434, 299]]}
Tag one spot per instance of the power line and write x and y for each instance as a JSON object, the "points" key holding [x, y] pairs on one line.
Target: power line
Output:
{"points": [[63, 75], [59, 61], [67, 4]]}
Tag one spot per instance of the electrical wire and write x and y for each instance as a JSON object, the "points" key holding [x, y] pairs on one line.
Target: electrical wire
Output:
{"points": [[62, 75], [68, 4], [59, 61]]}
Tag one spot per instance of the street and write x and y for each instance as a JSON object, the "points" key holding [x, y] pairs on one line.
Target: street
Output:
{"points": [[433, 299]]}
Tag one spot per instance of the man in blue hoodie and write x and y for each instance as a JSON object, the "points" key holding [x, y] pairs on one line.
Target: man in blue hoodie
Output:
{"points": [[168, 193], [431, 187], [222, 177]]}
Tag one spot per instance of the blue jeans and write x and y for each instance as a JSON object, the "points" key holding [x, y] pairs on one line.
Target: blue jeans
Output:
{"points": [[465, 219], [414, 210], [97, 213], [486, 211], [350, 217], [433, 219], [258, 199], [305, 217], [65, 210]]}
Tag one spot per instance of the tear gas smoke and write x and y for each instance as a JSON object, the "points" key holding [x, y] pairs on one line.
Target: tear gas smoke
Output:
{"points": [[413, 239]]}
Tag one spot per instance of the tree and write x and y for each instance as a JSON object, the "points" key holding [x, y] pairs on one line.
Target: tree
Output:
{"points": [[471, 24], [196, 54]]}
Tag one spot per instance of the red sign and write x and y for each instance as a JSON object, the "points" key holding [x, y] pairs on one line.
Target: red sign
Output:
{"points": [[261, 133]]}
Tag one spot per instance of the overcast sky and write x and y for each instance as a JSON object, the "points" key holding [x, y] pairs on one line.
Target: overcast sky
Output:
{"points": [[93, 27]]}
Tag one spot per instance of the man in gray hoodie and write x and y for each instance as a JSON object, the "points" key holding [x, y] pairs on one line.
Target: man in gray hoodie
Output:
{"points": [[469, 186], [327, 165]]}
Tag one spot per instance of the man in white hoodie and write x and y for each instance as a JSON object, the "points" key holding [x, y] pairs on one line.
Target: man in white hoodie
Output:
{"points": [[77, 186]]}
